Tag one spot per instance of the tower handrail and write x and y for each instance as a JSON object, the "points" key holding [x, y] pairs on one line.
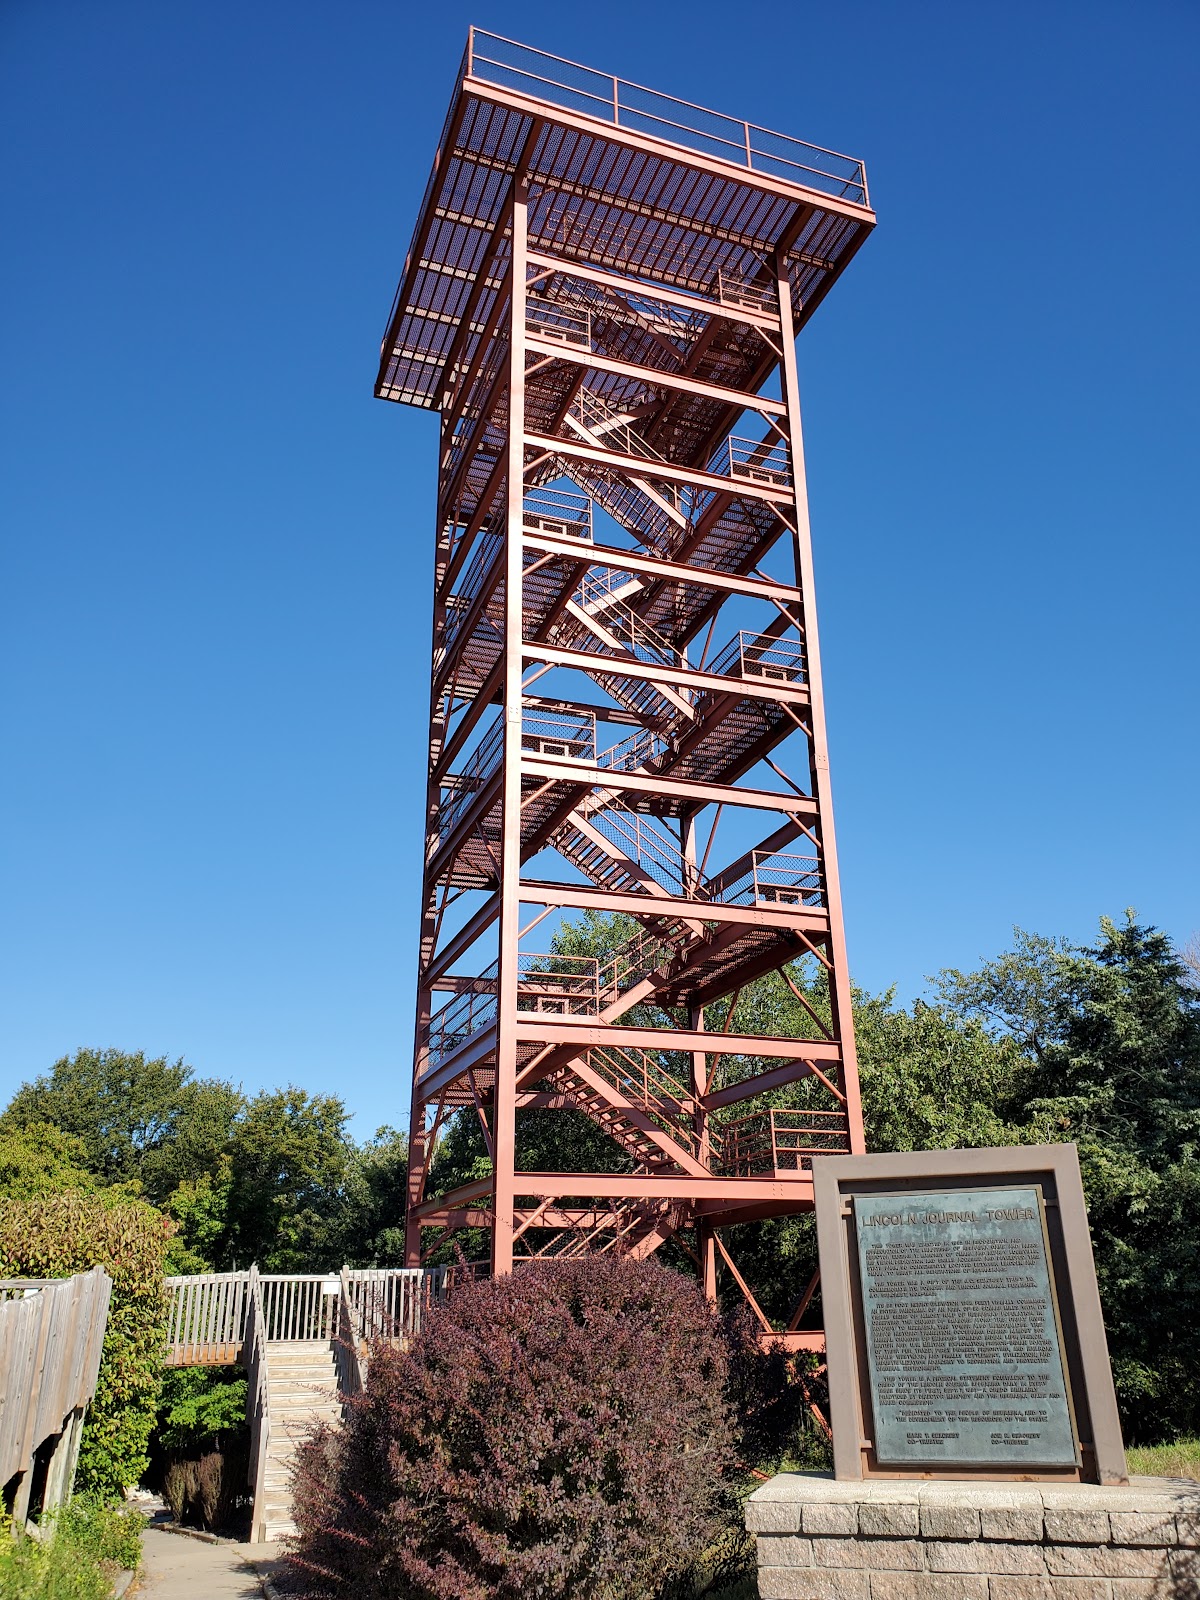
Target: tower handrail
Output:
{"points": [[755, 460], [639, 748], [770, 877], [760, 655], [642, 839], [638, 1073], [562, 512], [632, 631], [602, 420], [783, 1139], [460, 788], [509, 64]]}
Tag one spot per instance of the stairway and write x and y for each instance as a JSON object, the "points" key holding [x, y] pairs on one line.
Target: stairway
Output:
{"points": [[637, 1230], [301, 1391]]}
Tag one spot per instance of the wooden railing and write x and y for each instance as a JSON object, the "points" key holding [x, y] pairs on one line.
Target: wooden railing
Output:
{"points": [[51, 1334], [258, 1411], [223, 1318], [208, 1319], [210, 1313]]}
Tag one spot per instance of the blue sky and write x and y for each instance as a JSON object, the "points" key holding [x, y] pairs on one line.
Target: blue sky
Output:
{"points": [[217, 543]]}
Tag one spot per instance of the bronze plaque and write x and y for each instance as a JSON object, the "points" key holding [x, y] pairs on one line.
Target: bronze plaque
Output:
{"points": [[963, 1343]]}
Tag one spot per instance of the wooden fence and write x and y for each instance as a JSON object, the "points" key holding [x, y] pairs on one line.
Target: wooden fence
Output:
{"points": [[51, 1334]]}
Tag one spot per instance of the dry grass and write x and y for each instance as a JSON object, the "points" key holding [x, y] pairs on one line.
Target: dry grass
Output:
{"points": [[1178, 1460]]}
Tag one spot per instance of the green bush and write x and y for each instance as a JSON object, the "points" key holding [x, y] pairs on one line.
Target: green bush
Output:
{"points": [[56, 1235], [30, 1570], [105, 1532], [84, 1547], [201, 1408], [200, 1453]]}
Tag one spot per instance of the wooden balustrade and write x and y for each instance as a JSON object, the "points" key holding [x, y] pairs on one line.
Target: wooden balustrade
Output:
{"points": [[209, 1322]]}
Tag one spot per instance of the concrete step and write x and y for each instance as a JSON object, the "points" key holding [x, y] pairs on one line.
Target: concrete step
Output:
{"points": [[301, 1369]]}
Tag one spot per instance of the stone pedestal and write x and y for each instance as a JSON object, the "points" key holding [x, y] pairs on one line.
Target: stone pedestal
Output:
{"points": [[824, 1539]]}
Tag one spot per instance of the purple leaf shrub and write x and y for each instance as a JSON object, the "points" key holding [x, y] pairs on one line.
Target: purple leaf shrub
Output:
{"points": [[563, 1432]]}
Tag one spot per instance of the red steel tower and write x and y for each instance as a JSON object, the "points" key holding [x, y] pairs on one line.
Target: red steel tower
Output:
{"points": [[601, 299]]}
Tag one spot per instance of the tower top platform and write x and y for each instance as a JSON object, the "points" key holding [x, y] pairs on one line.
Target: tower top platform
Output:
{"points": [[620, 177]]}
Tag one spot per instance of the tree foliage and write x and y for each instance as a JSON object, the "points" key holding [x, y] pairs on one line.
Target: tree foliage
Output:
{"points": [[1110, 1035], [39, 1158], [274, 1178]]}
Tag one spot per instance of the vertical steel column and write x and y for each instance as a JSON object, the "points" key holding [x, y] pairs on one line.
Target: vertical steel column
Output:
{"points": [[505, 1113], [839, 978]]}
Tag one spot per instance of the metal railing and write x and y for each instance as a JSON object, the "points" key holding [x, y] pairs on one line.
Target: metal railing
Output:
{"points": [[560, 512], [782, 1141], [760, 655], [641, 1077], [459, 605], [643, 839], [546, 319], [631, 962], [558, 986], [460, 788], [602, 586], [753, 460], [637, 750], [772, 878], [609, 428], [510, 65], [550, 984], [731, 290], [632, 633], [462, 1015], [559, 733]]}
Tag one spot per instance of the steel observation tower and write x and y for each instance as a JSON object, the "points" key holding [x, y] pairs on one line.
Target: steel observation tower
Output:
{"points": [[601, 300]]}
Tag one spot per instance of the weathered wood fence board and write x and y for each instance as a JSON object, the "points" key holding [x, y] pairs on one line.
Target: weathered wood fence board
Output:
{"points": [[51, 1335]]}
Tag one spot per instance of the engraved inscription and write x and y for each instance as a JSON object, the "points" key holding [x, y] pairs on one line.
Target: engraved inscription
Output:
{"points": [[963, 1347]]}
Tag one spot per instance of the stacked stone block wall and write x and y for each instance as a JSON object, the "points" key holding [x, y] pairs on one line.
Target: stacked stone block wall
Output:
{"points": [[819, 1539]]}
